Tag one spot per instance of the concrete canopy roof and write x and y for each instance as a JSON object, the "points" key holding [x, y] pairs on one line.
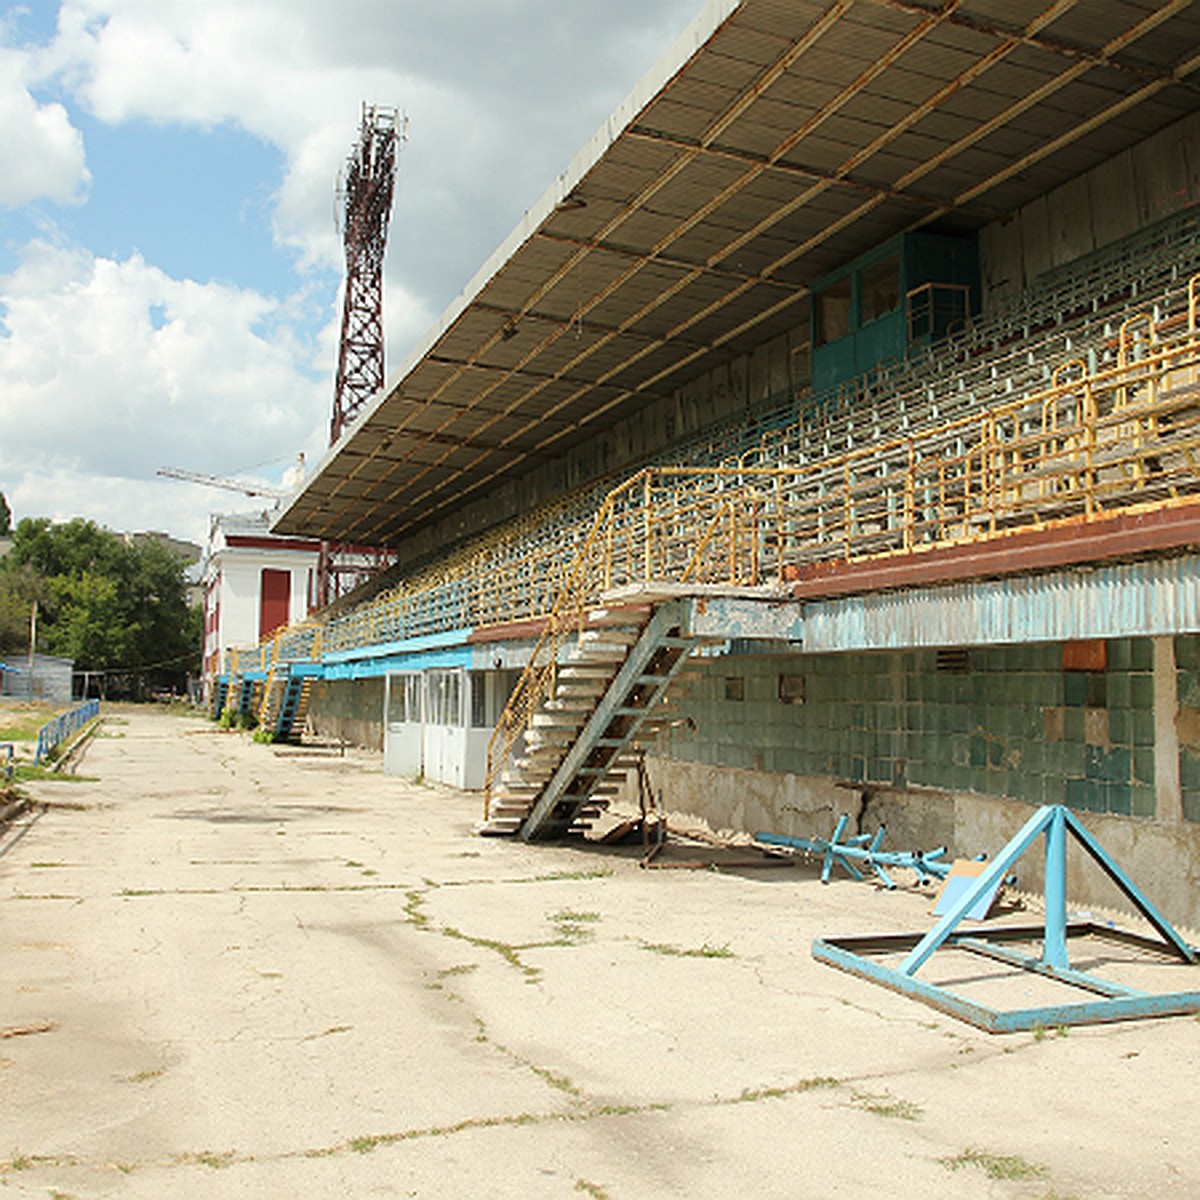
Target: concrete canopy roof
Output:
{"points": [[776, 141]]}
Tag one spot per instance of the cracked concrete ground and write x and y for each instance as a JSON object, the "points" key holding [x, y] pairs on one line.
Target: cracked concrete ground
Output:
{"points": [[232, 973]]}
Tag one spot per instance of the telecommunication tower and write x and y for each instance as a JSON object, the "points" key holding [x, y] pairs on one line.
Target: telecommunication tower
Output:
{"points": [[365, 206]]}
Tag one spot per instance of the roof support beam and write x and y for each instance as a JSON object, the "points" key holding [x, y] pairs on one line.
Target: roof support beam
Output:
{"points": [[1035, 37]]}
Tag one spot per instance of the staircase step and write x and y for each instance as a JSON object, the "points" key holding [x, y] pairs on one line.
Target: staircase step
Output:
{"points": [[611, 636], [556, 720], [501, 827], [633, 614]]}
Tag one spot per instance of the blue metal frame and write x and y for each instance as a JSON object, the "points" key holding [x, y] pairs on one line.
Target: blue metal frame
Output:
{"points": [[63, 726], [1116, 1003], [865, 848]]}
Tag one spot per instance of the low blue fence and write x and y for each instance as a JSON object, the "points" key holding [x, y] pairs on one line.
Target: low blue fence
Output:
{"points": [[6, 768], [57, 731]]}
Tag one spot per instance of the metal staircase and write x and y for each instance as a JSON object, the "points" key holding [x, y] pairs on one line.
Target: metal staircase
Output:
{"points": [[284, 703], [606, 695]]}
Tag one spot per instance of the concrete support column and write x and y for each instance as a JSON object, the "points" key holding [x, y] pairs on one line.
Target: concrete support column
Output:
{"points": [[1168, 793]]}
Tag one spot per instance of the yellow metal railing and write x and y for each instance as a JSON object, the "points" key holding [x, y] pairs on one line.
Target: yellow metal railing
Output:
{"points": [[1083, 445], [1088, 444]]}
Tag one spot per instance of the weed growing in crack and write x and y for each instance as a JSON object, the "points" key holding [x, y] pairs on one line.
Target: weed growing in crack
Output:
{"points": [[994, 1166], [591, 1189], [572, 927], [504, 949], [705, 951], [145, 1076], [559, 1082], [208, 1158], [751, 1095], [888, 1106]]}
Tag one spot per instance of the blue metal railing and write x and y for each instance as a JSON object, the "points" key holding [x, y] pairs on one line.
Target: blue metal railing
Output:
{"points": [[57, 731], [9, 750]]}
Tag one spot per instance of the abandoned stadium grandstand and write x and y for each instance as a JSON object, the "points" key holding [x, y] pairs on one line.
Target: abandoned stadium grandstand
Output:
{"points": [[829, 429]]}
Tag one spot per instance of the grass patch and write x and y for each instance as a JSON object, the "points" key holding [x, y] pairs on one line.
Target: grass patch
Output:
{"points": [[752, 1095], [461, 969], [216, 1159], [146, 1076], [24, 727], [573, 926], [39, 773], [591, 1189], [995, 1166], [507, 951], [888, 1106], [705, 951]]}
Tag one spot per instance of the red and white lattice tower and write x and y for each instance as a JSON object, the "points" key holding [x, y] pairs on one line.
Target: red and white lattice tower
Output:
{"points": [[365, 207]]}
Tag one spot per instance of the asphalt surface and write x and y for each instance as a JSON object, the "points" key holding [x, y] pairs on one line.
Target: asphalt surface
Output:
{"points": [[235, 972]]}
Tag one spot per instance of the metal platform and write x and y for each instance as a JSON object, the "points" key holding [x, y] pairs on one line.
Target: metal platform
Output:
{"points": [[1108, 1000]]}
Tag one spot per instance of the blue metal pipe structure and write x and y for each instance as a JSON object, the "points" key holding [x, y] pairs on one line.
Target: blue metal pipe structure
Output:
{"points": [[1117, 1002], [864, 848]]}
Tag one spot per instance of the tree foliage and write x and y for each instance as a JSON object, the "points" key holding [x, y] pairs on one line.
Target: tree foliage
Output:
{"points": [[110, 604]]}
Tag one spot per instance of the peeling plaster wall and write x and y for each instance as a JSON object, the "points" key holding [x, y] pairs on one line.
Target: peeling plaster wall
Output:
{"points": [[1162, 859], [957, 753], [348, 708]]}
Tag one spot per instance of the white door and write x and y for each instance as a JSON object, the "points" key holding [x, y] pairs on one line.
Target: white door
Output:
{"points": [[403, 726]]}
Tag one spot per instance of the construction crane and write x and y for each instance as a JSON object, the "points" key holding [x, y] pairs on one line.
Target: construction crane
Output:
{"points": [[245, 486]]}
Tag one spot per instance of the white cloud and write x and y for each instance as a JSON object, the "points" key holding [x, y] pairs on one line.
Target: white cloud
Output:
{"points": [[109, 370], [41, 153], [500, 93]]}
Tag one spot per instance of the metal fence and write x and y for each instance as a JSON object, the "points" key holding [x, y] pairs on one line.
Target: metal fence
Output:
{"points": [[54, 733]]}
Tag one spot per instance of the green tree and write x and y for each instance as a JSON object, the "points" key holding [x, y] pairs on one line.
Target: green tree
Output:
{"points": [[5, 517], [111, 604]]}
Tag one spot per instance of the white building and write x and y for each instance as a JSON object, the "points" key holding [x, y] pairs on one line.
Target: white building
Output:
{"points": [[254, 582]]}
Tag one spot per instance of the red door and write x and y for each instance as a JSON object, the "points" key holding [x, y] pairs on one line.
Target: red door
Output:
{"points": [[276, 598]]}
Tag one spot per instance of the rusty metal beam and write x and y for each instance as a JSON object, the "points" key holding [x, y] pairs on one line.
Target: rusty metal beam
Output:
{"points": [[1076, 541], [1102, 56]]}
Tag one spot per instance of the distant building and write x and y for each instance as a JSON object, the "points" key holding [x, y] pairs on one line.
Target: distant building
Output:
{"points": [[254, 582], [50, 678]]}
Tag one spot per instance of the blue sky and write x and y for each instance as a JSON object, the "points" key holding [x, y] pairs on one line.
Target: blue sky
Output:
{"points": [[169, 260]]}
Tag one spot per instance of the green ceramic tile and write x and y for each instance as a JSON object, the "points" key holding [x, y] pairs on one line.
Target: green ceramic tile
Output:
{"points": [[1120, 765], [1143, 729], [1142, 691], [1191, 805], [1142, 801], [1119, 654], [1120, 727], [1187, 651], [1143, 765], [1077, 794], [1119, 799]]}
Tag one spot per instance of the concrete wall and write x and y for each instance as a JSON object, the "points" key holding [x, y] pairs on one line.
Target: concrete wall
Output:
{"points": [[348, 708], [949, 752]]}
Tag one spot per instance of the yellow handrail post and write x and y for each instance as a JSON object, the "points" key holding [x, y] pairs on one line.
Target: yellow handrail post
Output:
{"points": [[647, 553]]}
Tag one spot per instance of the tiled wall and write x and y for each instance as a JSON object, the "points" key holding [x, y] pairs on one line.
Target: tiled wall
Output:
{"points": [[1002, 721], [1187, 661]]}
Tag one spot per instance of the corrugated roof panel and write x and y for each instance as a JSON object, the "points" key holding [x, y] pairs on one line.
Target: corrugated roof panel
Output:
{"points": [[597, 312]]}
